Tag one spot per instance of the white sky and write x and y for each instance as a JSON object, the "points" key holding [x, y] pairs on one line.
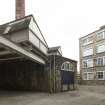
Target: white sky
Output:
{"points": [[62, 22]]}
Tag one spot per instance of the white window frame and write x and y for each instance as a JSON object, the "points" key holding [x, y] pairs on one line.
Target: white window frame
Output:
{"points": [[103, 75], [87, 40], [86, 50], [98, 64], [83, 64], [88, 75], [103, 62], [103, 35], [100, 51], [87, 63], [63, 66]]}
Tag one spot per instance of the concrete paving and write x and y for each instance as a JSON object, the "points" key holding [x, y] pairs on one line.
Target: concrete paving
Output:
{"points": [[83, 96]]}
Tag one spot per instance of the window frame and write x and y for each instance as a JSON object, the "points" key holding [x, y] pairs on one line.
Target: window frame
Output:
{"points": [[97, 48], [85, 50], [99, 33], [87, 73], [87, 63], [98, 63], [103, 61], [103, 75], [65, 68], [86, 40]]}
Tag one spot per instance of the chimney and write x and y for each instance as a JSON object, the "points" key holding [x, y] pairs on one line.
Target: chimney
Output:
{"points": [[20, 9]]}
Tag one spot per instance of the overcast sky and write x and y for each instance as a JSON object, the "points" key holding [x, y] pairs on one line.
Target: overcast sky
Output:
{"points": [[62, 22]]}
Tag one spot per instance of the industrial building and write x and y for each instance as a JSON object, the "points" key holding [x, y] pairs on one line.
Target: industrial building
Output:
{"points": [[26, 61], [92, 57]]}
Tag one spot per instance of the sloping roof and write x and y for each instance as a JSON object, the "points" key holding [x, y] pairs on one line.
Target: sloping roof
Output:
{"points": [[15, 25], [19, 24], [53, 49]]}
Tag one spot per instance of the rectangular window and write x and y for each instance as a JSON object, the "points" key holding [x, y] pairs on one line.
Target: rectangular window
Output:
{"points": [[85, 63], [87, 40], [88, 76], [88, 63], [100, 75], [101, 48], [85, 76], [100, 61], [104, 60], [87, 51], [67, 66], [100, 35]]}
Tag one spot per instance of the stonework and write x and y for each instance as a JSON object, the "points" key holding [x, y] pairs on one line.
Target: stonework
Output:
{"points": [[92, 82]]}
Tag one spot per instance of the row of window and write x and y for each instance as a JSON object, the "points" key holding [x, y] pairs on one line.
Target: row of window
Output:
{"points": [[99, 36], [67, 66], [100, 61], [100, 75], [89, 51]]}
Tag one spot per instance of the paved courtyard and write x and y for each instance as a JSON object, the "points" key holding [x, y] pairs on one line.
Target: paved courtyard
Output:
{"points": [[86, 95]]}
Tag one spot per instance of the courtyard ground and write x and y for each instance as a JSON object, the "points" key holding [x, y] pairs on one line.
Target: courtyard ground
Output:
{"points": [[86, 95]]}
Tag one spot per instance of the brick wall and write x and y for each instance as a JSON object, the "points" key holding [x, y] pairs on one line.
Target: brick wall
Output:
{"points": [[20, 9]]}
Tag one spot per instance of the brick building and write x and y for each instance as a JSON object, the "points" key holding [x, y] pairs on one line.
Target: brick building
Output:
{"points": [[92, 57]]}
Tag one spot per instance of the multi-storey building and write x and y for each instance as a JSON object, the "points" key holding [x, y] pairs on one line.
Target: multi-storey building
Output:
{"points": [[92, 57]]}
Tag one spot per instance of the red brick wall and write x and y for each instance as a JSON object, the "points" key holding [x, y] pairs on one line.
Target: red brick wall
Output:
{"points": [[20, 9]]}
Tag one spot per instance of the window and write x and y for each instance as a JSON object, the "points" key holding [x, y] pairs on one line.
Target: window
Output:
{"points": [[87, 40], [87, 51], [100, 75], [88, 76], [101, 48], [104, 60], [67, 66], [88, 63], [85, 76], [100, 35], [100, 61], [85, 63]]}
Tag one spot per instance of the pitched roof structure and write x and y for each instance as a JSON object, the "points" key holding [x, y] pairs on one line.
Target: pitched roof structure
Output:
{"points": [[20, 24], [53, 49], [15, 25]]}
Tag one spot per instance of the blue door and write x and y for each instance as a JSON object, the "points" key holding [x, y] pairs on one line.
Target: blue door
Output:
{"points": [[67, 77]]}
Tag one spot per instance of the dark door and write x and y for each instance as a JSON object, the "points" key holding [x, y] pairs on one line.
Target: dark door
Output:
{"points": [[67, 78]]}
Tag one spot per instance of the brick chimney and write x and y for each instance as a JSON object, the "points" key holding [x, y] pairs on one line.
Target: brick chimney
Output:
{"points": [[20, 9]]}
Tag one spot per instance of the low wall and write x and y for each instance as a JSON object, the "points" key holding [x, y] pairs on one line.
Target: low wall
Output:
{"points": [[93, 82]]}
